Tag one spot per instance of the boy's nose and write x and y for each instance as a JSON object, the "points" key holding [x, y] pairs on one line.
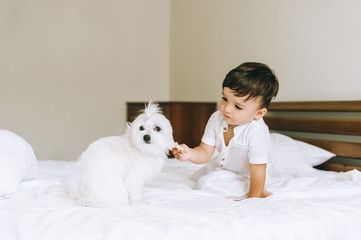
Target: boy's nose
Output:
{"points": [[227, 108]]}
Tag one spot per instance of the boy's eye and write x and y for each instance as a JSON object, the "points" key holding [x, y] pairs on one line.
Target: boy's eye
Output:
{"points": [[239, 108], [157, 129], [224, 99], [141, 128]]}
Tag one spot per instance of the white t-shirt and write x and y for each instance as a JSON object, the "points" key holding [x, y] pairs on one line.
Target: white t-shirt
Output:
{"points": [[249, 144]]}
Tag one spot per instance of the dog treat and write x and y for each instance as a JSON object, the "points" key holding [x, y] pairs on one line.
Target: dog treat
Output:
{"points": [[176, 145]]}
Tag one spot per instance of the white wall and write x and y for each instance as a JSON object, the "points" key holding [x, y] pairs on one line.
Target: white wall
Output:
{"points": [[68, 67], [313, 46]]}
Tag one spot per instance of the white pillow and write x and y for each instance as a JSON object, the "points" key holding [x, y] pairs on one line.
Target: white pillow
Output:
{"points": [[292, 156], [286, 156], [17, 162], [314, 155]]}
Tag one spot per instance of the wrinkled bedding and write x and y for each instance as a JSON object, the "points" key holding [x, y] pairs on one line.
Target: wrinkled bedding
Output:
{"points": [[317, 205]]}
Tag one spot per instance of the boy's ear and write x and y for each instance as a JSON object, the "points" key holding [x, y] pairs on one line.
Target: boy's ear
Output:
{"points": [[260, 113]]}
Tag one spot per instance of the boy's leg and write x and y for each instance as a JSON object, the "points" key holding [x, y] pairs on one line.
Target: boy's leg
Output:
{"points": [[225, 183]]}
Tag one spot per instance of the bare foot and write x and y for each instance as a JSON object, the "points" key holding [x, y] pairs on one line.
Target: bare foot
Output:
{"points": [[266, 193]]}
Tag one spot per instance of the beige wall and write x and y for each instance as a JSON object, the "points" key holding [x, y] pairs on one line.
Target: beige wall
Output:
{"points": [[314, 46], [68, 67]]}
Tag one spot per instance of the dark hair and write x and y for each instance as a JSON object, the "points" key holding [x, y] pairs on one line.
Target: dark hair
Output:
{"points": [[252, 79]]}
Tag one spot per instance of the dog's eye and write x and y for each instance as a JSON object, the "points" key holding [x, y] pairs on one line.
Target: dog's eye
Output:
{"points": [[157, 129], [141, 128]]}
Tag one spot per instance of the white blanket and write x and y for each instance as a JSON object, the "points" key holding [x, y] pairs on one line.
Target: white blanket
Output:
{"points": [[321, 205]]}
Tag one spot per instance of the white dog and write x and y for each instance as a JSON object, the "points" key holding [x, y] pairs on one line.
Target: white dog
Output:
{"points": [[112, 170]]}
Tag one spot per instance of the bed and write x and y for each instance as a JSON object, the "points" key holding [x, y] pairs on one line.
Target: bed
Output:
{"points": [[317, 203]]}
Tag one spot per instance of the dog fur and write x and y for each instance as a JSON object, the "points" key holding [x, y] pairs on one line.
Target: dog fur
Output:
{"points": [[112, 170]]}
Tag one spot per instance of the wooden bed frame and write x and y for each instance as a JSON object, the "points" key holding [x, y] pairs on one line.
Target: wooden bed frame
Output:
{"points": [[332, 125]]}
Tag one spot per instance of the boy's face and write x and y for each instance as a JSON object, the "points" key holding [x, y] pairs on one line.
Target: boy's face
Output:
{"points": [[236, 111]]}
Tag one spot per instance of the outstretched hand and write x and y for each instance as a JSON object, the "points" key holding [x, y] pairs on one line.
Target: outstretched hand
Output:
{"points": [[181, 152]]}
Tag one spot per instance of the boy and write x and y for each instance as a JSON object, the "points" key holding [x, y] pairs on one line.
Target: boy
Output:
{"points": [[237, 131]]}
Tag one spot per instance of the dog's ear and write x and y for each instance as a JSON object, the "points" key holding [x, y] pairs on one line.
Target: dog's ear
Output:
{"points": [[128, 127], [171, 142], [170, 146]]}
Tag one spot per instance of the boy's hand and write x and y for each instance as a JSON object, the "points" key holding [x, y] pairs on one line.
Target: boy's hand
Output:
{"points": [[181, 152]]}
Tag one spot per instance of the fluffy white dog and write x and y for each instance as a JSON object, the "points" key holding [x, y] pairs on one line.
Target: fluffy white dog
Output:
{"points": [[112, 170]]}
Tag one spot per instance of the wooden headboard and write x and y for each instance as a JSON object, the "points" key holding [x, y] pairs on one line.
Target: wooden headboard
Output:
{"points": [[332, 125]]}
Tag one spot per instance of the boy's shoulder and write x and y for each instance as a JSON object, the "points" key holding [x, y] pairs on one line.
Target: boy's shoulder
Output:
{"points": [[216, 117], [258, 126], [257, 133]]}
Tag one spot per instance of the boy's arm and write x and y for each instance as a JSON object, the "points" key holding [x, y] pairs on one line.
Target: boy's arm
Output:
{"points": [[257, 174], [199, 155]]}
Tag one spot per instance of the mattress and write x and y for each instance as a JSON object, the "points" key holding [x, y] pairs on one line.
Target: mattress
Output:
{"points": [[318, 205]]}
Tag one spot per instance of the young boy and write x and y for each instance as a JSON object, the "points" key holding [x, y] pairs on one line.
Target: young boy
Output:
{"points": [[239, 134]]}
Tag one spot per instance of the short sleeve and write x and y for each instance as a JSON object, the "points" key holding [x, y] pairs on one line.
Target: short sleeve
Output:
{"points": [[210, 132], [258, 146]]}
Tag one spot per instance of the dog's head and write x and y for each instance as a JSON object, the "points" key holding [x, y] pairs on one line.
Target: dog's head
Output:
{"points": [[151, 131]]}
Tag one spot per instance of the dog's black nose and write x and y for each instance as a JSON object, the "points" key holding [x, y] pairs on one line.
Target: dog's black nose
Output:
{"points": [[146, 138]]}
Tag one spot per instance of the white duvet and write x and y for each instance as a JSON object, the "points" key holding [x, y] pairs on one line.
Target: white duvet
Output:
{"points": [[320, 205]]}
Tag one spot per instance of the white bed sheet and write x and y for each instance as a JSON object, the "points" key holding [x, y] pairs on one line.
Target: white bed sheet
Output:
{"points": [[321, 205]]}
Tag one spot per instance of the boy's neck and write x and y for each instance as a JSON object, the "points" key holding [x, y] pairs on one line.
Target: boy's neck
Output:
{"points": [[234, 126], [231, 127]]}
